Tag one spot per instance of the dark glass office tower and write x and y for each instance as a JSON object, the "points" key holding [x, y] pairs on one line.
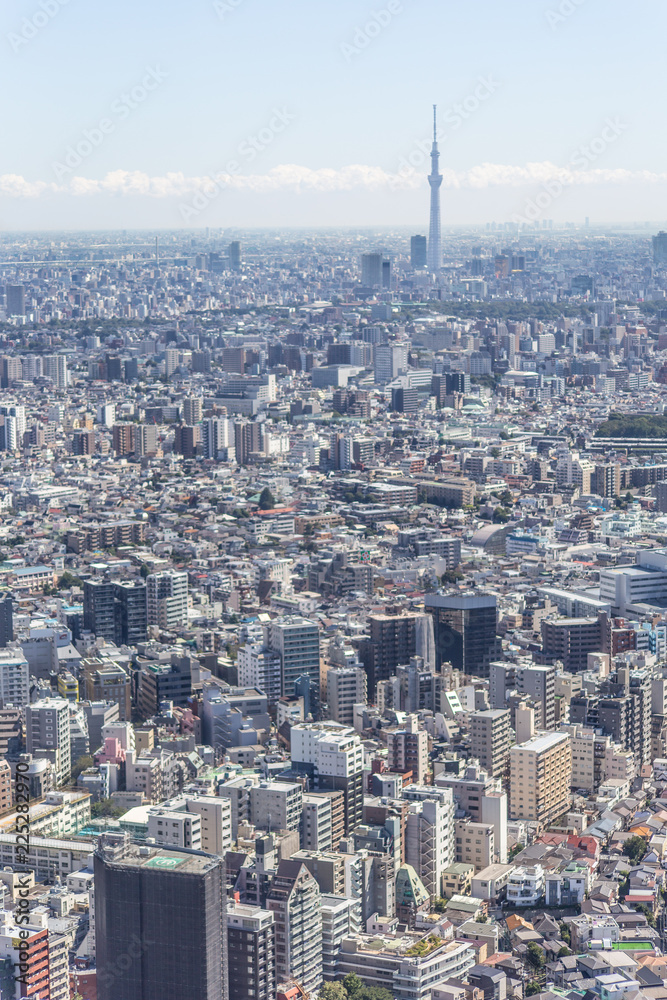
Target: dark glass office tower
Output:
{"points": [[465, 631], [6, 620], [159, 923]]}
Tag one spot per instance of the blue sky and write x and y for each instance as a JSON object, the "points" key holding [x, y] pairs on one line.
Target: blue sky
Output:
{"points": [[353, 84]]}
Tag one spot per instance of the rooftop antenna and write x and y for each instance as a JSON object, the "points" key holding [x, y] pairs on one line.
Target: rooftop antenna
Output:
{"points": [[435, 123]]}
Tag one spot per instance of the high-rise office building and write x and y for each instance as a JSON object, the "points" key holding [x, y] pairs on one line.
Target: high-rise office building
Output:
{"points": [[371, 270], [6, 619], [235, 258], [167, 599], [660, 248], [418, 251], [391, 360], [48, 729], [464, 627], [297, 642], [435, 182], [15, 300], [159, 923], [404, 400]]}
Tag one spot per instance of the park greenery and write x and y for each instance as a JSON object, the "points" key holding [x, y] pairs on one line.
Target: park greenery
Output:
{"points": [[633, 425]]}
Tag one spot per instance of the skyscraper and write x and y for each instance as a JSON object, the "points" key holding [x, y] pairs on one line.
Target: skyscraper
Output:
{"points": [[160, 923], [435, 180], [465, 631], [6, 619], [15, 300], [418, 251]]}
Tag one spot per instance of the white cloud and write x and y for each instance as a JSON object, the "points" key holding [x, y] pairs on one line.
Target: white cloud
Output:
{"points": [[296, 178]]}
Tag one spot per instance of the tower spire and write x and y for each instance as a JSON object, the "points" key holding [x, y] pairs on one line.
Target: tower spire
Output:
{"points": [[435, 180]]}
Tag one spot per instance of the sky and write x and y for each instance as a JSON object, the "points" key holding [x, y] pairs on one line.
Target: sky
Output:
{"points": [[259, 113]]}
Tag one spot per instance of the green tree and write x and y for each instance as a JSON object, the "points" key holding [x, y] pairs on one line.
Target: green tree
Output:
{"points": [[107, 807], [352, 984], [81, 765], [565, 934], [635, 849], [333, 991], [144, 571], [266, 499], [532, 987], [564, 951], [535, 955]]}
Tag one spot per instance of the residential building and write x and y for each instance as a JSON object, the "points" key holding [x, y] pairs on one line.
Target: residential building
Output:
{"points": [[490, 740], [251, 952], [167, 599], [332, 756], [48, 734], [294, 900], [540, 778]]}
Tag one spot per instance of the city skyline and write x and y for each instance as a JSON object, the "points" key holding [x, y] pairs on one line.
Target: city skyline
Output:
{"points": [[137, 144]]}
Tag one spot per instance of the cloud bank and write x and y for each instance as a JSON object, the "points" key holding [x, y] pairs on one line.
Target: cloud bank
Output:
{"points": [[294, 178]]}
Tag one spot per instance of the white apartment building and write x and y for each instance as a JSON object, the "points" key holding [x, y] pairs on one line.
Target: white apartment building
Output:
{"points": [[173, 828], [14, 678], [167, 599], [48, 734], [526, 886], [429, 845], [346, 687], [259, 667]]}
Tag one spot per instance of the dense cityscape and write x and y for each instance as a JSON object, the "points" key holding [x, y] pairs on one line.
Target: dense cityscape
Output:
{"points": [[334, 614], [333, 544]]}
